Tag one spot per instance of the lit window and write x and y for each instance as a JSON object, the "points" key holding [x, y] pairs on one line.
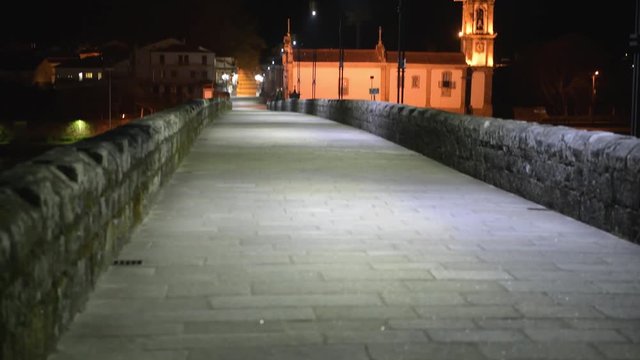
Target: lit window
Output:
{"points": [[88, 75], [79, 76], [99, 75], [415, 82]]}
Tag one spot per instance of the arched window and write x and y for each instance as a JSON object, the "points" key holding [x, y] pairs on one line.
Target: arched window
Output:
{"points": [[480, 20]]}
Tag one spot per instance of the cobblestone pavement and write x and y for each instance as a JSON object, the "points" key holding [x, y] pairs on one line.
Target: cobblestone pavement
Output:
{"points": [[285, 236]]}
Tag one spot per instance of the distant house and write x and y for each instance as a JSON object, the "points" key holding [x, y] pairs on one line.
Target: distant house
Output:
{"points": [[173, 71], [88, 69]]}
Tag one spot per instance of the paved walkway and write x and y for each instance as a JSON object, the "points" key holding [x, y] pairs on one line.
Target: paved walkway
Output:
{"points": [[285, 236]]}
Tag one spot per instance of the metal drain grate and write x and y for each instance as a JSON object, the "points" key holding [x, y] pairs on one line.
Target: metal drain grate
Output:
{"points": [[127, 262]]}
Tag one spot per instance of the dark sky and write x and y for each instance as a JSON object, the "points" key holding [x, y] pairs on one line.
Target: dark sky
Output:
{"points": [[430, 24]]}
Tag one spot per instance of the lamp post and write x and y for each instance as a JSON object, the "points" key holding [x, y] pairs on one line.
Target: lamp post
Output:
{"points": [[314, 59], [109, 71], [401, 57], [635, 90], [373, 96], [340, 59], [297, 48], [594, 76]]}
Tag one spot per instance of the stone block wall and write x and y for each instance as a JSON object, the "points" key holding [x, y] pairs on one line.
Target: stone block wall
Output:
{"points": [[591, 176], [65, 214]]}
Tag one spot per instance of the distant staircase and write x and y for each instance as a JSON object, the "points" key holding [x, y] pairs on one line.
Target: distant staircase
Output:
{"points": [[246, 83]]}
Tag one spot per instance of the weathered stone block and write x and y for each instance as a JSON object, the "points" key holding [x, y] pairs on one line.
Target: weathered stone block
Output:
{"points": [[66, 213]]}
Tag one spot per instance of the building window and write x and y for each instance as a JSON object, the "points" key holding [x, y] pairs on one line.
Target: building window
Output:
{"points": [[162, 74], [447, 84], [162, 59], [156, 89], [345, 86], [204, 59], [174, 89], [480, 20], [99, 75], [415, 82], [88, 75], [174, 73], [79, 76], [205, 75], [193, 74]]}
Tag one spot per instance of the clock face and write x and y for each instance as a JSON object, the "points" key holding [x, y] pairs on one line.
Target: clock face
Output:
{"points": [[480, 47]]}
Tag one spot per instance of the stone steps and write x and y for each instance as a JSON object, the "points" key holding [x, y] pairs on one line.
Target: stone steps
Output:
{"points": [[246, 83]]}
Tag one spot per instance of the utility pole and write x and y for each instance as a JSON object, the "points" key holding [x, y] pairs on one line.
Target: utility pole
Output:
{"points": [[635, 90], [109, 71], [401, 57], [340, 59], [373, 97]]}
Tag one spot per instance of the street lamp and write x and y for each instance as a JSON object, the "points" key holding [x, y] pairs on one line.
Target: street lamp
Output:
{"points": [[340, 59], [594, 76], [401, 57], [297, 50], [109, 72], [373, 96], [635, 87]]}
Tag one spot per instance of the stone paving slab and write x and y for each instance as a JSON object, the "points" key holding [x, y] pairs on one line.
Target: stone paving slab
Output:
{"points": [[285, 236]]}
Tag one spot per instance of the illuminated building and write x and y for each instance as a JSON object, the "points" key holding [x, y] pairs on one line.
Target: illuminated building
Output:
{"points": [[452, 81]]}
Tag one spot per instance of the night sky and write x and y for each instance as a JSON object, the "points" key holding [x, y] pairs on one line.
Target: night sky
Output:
{"points": [[430, 24]]}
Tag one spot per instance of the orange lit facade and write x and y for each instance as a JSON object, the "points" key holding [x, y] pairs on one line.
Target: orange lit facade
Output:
{"points": [[451, 81]]}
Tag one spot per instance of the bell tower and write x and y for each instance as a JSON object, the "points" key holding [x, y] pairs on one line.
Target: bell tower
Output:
{"points": [[477, 35], [476, 43]]}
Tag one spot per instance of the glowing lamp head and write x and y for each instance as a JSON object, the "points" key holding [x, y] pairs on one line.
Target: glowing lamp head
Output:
{"points": [[314, 13]]}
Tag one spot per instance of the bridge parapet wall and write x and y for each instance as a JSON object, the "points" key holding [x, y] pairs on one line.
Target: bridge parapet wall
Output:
{"points": [[589, 175], [65, 214]]}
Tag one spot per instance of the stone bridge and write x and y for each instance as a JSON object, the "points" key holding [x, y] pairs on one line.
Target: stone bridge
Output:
{"points": [[201, 233]]}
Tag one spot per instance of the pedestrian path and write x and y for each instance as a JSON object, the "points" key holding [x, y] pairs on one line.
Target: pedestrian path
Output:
{"points": [[286, 236]]}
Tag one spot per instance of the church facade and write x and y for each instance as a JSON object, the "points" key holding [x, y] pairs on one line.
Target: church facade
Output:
{"points": [[451, 81]]}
